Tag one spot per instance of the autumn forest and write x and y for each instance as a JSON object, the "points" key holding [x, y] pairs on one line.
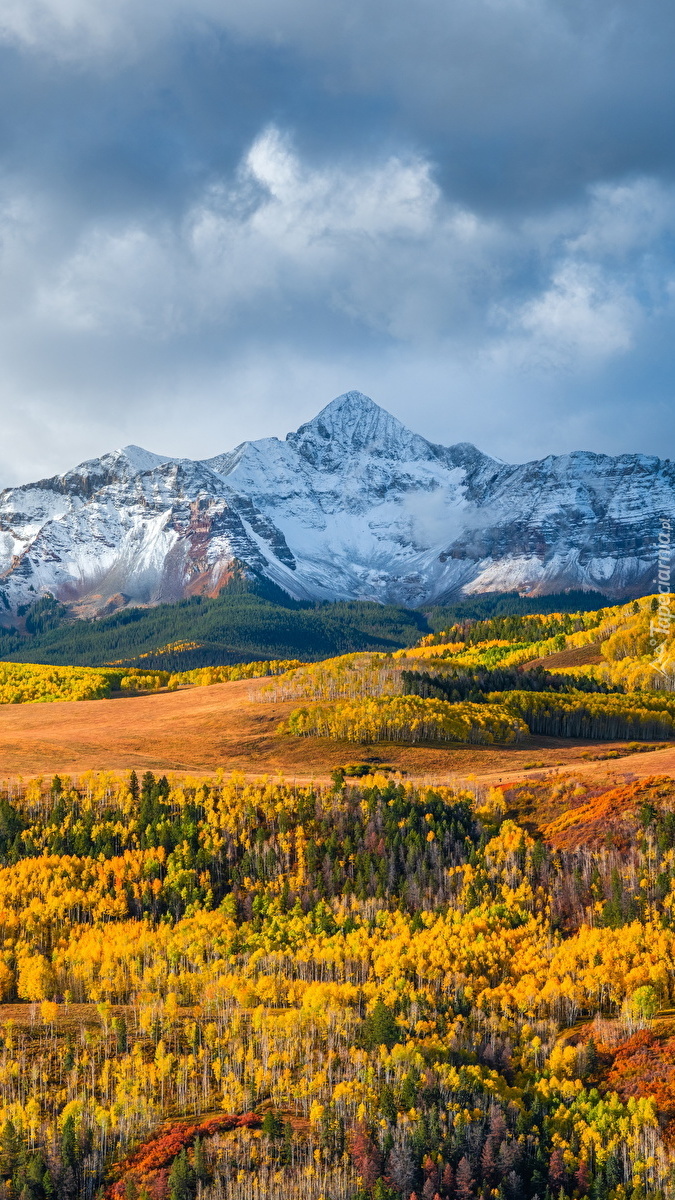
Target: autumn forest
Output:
{"points": [[372, 986]]}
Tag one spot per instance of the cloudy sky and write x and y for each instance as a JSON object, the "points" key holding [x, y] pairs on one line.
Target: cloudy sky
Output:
{"points": [[215, 216]]}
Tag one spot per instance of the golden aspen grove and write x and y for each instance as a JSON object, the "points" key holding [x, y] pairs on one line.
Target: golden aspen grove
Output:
{"points": [[468, 683], [30, 683], [380, 975], [368, 987]]}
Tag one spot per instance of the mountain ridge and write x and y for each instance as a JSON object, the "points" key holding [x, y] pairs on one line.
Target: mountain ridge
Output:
{"points": [[352, 505]]}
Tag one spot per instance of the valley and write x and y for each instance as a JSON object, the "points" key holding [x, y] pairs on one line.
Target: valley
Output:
{"points": [[224, 727], [377, 926]]}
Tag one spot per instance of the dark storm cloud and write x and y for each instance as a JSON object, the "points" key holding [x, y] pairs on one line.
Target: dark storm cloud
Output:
{"points": [[213, 217]]}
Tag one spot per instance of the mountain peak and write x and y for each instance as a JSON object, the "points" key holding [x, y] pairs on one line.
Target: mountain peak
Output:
{"points": [[350, 424], [141, 460], [349, 403], [347, 411], [126, 460]]}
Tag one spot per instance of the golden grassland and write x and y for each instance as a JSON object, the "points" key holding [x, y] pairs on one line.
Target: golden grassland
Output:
{"points": [[226, 725]]}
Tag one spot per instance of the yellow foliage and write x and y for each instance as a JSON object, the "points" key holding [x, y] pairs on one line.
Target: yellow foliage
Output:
{"points": [[270, 990], [29, 683], [6, 981], [406, 719], [204, 676], [36, 978], [49, 1011]]}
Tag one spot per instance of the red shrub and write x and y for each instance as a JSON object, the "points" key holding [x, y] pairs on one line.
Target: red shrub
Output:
{"points": [[150, 1164]]}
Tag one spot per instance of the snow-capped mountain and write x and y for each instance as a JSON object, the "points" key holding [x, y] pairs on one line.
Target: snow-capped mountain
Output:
{"points": [[351, 506]]}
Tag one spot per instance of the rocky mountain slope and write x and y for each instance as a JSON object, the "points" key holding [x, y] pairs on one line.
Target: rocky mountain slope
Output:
{"points": [[351, 506]]}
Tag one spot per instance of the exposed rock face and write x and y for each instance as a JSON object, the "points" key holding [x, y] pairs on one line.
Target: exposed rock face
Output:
{"points": [[351, 506]]}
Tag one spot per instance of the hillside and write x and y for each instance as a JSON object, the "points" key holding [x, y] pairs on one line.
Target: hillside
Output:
{"points": [[367, 990], [308, 720], [239, 625], [347, 929], [250, 619], [226, 726]]}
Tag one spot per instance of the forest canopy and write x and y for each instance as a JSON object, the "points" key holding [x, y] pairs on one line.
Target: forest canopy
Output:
{"points": [[382, 989]]}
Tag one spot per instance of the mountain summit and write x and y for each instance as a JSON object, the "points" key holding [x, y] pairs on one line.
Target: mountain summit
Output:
{"points": [[353, 505], [353, 424]]}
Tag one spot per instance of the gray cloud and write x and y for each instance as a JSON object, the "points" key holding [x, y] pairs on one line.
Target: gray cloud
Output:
{"points": [[213, 217]]}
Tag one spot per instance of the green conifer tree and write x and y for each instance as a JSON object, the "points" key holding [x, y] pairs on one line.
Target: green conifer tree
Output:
{"points": [[181, 1178], [9, 1150], [199, 1162]]}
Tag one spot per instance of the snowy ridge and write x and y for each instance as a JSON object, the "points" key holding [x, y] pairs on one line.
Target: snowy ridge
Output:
{"points": [[350, 506]]}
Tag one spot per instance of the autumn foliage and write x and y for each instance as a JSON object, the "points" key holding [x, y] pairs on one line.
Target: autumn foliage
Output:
{"points": [[395, 981], [406, 719], [141, 1168]]}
